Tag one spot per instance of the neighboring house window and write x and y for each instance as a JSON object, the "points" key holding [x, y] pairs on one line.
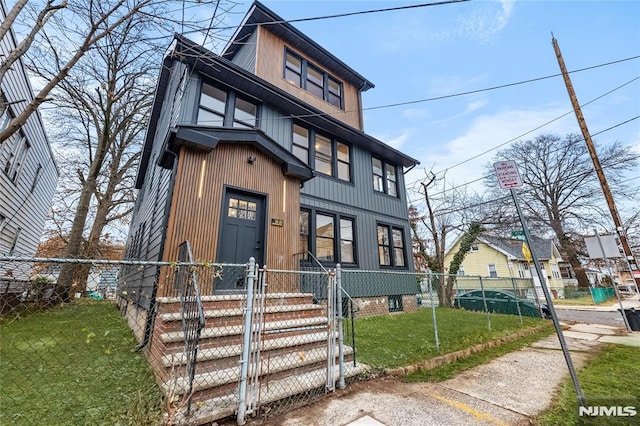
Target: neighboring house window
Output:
{"points": [[493, 273], [15, 241], [220, 108], [3, 219], [461, 271], [555, 271], [384, 177], [474, 248], [36, 177], [331, 238], [310, 77], [391, 250], [523, 270], [17, 156], [395, 303], [328, 156]]}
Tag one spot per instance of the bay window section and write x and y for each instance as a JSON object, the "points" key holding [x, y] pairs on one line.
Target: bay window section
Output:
{"points": [[391, 247], [324, 157], [325, 237], [301, 143]]}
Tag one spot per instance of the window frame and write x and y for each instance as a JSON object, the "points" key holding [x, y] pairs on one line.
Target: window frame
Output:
{"points": [[14, 242], [311, 236], [303, 79], [494, 273], [17, 156], [313, 154], [391, 246], [229, 119], [384, 178], [395, 304]]}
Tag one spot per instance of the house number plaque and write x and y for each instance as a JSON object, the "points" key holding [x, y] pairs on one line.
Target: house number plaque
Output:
{"points": [[277, 222]]}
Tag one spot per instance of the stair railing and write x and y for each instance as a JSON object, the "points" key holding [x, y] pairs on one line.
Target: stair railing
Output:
{"points": [[193, 319]]}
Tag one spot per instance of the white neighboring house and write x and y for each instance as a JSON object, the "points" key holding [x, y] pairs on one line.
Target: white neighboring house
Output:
{"points": [[28, 172]]}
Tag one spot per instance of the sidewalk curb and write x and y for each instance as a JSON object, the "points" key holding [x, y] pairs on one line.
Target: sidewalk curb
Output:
{"points": [[432, 363]]}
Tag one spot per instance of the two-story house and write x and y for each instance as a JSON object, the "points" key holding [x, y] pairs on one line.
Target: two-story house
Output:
{"points": [[28, 172], [500, 258], [261, 152]]}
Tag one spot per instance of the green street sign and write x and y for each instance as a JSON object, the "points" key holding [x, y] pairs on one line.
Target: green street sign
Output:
{"points": [[518, 235]]}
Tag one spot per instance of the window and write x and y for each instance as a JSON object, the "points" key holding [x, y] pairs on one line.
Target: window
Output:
{"points": [[395, 303], [36, 177], [328, 156], [242, 209], [461, 271], [301, 143], [555, 271], [219, 108], [15, 241], [3, 219], [391, 251], [302, 73], [493, 272], [523, 270], [384, 177], [474, 248], [17, 156], [329, 237]]}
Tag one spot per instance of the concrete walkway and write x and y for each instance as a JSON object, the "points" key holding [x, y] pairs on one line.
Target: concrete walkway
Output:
{"points": [[609, 306], [510, 390]]}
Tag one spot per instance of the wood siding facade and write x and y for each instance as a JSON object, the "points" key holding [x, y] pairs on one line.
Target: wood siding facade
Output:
{"points": [[25, 198]]}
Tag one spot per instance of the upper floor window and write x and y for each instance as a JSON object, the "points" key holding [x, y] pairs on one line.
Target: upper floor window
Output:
{"points": [[493, 272], [461, 271], [523, 270], [308, 76], [327, 156], [555, 271], [474, 248], [391, 250], [384, 177], [329, 237], [18, 147], [220, 108]]}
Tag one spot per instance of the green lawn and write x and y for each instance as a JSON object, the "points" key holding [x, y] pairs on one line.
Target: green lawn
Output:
{"points": [[397, 340], [75, 365], [579, 301], [610, 378]]}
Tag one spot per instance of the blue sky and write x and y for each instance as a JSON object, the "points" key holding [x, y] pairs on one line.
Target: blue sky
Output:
{"points": [[441, 50]]}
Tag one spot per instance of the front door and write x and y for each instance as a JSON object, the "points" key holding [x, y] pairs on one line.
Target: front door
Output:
{"points": [[242, 236]]}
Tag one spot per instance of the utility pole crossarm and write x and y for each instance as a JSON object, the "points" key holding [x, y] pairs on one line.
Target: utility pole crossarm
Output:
{"points": [[631, 260]]}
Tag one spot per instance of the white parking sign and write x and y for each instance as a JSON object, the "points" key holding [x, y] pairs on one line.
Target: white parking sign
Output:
{"points": [[508, 174]]}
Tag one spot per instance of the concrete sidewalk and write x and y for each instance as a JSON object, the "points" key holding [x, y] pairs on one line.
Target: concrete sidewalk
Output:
{"points": [[510, 390], [609, 306]]}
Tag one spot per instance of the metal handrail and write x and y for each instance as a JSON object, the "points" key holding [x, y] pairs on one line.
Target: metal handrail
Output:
{"points": [[193, 319]]}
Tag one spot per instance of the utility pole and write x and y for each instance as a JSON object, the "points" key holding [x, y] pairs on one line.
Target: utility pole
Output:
{"points": [[631, 260]]}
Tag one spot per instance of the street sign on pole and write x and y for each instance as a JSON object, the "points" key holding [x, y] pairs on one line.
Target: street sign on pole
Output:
{"points": [[508, 174]]}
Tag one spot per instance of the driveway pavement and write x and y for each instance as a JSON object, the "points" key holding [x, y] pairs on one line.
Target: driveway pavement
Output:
{"points": [[510, 390]]}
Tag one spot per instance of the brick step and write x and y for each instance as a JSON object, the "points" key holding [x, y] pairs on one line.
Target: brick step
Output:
{"points": [[224, 313], [236, 330], [272, 365], [210, 410], [233, 301], [231, 351]]}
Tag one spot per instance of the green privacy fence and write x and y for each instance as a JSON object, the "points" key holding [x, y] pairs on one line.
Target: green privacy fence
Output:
{"points": [[601, 294]]}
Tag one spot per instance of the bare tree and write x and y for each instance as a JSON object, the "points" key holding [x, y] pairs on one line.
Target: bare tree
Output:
{"points": [[64, 32], [561, 192], [447, 215]]}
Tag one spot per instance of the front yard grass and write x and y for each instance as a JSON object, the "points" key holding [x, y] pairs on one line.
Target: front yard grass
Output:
{"points": [[398, 340], [75, 365], [610, 378]]}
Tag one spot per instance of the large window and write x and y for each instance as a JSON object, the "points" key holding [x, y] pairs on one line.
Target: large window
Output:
{"points": [[18, 147], [329, 237], [327, 156], [310, 77], [391, 248], [220, 108], [384, 177]]}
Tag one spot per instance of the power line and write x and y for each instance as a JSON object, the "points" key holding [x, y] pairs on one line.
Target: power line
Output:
{"points": [[581, 139], [538, 128]]}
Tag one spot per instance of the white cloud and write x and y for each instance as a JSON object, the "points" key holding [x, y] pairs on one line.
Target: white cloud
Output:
{"points": [[396, 141], [415, 113], [485, 23]]}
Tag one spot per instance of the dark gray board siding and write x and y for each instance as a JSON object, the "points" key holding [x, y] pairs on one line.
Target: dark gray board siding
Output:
{"points": [[148, 227], [246, 56]]}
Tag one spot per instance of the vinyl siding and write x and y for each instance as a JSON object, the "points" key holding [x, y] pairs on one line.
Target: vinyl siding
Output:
{"points": [[22, 207]]}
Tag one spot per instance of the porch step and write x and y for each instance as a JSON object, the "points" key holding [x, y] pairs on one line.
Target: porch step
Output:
{"points": [[213, 409], [236, 350], [273, 326], [221, 313], [273, 365]]}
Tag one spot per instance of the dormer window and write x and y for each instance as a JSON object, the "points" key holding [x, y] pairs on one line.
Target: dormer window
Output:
{"points": [[304, 74]]}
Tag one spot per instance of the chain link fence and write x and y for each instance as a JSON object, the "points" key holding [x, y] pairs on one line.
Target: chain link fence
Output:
{"points": [[189, 343]]}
